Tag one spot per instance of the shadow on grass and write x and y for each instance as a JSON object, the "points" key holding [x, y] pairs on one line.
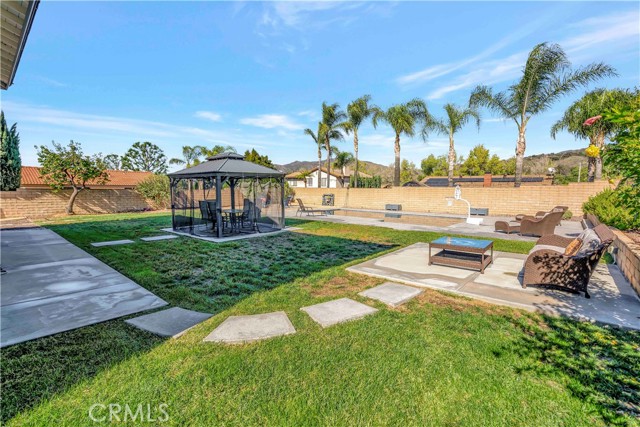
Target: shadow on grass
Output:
{"points": [[35, 371], [601, 363], [188, 273]]}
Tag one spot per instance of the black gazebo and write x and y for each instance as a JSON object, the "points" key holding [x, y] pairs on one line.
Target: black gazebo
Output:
{"points": [[227, 195]]}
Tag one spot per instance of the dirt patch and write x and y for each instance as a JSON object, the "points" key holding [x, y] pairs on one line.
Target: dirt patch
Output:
{"points": [[346, 284]]}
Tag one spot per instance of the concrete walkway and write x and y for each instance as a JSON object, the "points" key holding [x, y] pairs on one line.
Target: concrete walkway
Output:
{"points": [[52, 286], [612, 301], [486, 229]]}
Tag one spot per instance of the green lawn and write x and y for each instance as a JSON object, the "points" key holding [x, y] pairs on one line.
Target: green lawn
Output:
{"points": [[439, 360]]}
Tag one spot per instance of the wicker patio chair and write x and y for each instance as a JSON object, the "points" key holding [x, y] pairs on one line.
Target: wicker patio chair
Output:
{"points": [[547, 264], [540, 226], [541, 214], [507, 227]]}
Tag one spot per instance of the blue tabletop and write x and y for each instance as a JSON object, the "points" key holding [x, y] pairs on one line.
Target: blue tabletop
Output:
{"points": [[461, 241]]}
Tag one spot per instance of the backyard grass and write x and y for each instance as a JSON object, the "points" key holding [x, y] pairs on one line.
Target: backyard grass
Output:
{"points": [[439, 360]]}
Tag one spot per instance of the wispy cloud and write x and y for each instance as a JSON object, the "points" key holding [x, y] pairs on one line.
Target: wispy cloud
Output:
{"points": [[272, 121], [209, 115], [51, 82]]}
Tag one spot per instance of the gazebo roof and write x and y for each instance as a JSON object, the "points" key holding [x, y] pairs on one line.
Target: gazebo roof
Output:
{"points": [[229, 165]]}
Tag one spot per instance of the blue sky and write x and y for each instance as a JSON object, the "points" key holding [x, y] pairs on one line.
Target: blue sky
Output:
{"points": [[253, 74]]}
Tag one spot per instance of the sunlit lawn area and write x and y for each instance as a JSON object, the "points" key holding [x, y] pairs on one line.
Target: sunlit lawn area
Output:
{"points": [[439, 360]]}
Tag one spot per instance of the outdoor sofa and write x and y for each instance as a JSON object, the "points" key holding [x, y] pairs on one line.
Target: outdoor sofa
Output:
{"points": [[566, 263], [531, 225]]}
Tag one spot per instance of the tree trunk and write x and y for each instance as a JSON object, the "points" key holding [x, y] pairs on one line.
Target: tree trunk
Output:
{"points": [[396, 171], [591, 169], [355, 148], [328, 146], [521, 146], [72, 200], [598, 160], [452, 160], [319, 174]]}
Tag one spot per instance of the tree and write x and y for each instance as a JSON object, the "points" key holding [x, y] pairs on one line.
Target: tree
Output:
{"points": [[546, 76], [343, 159], [434, 166], [254, 157], [477, 162], [357, 112], [318, 139], [10, 162], [113, 162], [332, 120], [156, 188], [455, 120], [408, 171], [593, 104], [190, 156], [145, 156], [69, 167], [403, 119], [217, 149], [303, 175]]}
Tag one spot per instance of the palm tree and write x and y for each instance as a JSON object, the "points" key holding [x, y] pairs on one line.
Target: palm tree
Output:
{"points": [[456, 119], [318, 139], [190, 156], [303, 175], [590, 105], [357, 112], [546, 77], [343, 159], [332, 119], [217, 149], [403, 119]]}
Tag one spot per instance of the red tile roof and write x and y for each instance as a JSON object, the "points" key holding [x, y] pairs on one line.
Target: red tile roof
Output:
{"points": [[117, 179]]}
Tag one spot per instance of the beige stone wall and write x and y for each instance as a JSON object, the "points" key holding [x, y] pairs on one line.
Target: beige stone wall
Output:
{"points": [[628, 259], [41, 203], [500, 201]]}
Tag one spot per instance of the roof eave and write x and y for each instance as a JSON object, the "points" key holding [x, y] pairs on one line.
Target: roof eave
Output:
{"points": [[30, 13]]}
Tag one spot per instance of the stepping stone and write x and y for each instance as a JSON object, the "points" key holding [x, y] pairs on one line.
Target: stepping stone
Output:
{"points": [[392, 294], [337, 311], [155, 238], [112, 243], [169, 323], [243, 329]]}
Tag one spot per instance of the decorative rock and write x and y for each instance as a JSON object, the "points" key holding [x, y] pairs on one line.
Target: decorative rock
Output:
{"points": [[392, 294], [337, 311], [244, 329], [169, 323]]}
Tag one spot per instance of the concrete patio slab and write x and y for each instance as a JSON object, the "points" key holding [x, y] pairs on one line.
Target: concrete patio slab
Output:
{"points": [[172, 322], [337, 311], [156, 238], [612, 299], [112, 243], [244, 329], [392, 294], [56, 286]]}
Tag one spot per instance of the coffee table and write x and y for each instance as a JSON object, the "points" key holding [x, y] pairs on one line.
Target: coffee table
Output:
{"points": [[462, 252]]}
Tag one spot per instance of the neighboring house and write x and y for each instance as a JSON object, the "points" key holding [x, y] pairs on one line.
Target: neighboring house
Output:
{"points": [[336, 179], [117, 179]]}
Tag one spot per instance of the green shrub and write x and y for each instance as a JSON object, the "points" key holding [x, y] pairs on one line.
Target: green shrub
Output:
{"points": [[373, 182], [609, 208], [156, 189], [567, 214]]}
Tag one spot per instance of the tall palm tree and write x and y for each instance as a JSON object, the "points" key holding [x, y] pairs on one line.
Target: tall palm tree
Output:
{"points": [[546, 77], [318, 139], [333, 121], [455, 120], [590, 105], [190, 156], [343, 159], [357, 112], [217, 149], [403, 119]]}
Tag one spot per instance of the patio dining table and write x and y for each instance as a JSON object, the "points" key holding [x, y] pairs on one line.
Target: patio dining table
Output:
{"points": [[235, 218]]}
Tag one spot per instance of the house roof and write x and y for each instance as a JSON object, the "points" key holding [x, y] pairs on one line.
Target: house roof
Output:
{"points": [[348, 171], [117, 179], [227, 165], [17, 17]]}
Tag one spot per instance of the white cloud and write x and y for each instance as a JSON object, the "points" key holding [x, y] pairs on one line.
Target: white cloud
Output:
{"points": [[272, 121], [209, 115]]}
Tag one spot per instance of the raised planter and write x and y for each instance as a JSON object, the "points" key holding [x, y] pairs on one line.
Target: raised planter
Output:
{"points": [[628, 259]]}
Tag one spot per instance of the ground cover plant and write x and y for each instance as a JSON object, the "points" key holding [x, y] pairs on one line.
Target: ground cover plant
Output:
{"points": [[440, 360]]}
